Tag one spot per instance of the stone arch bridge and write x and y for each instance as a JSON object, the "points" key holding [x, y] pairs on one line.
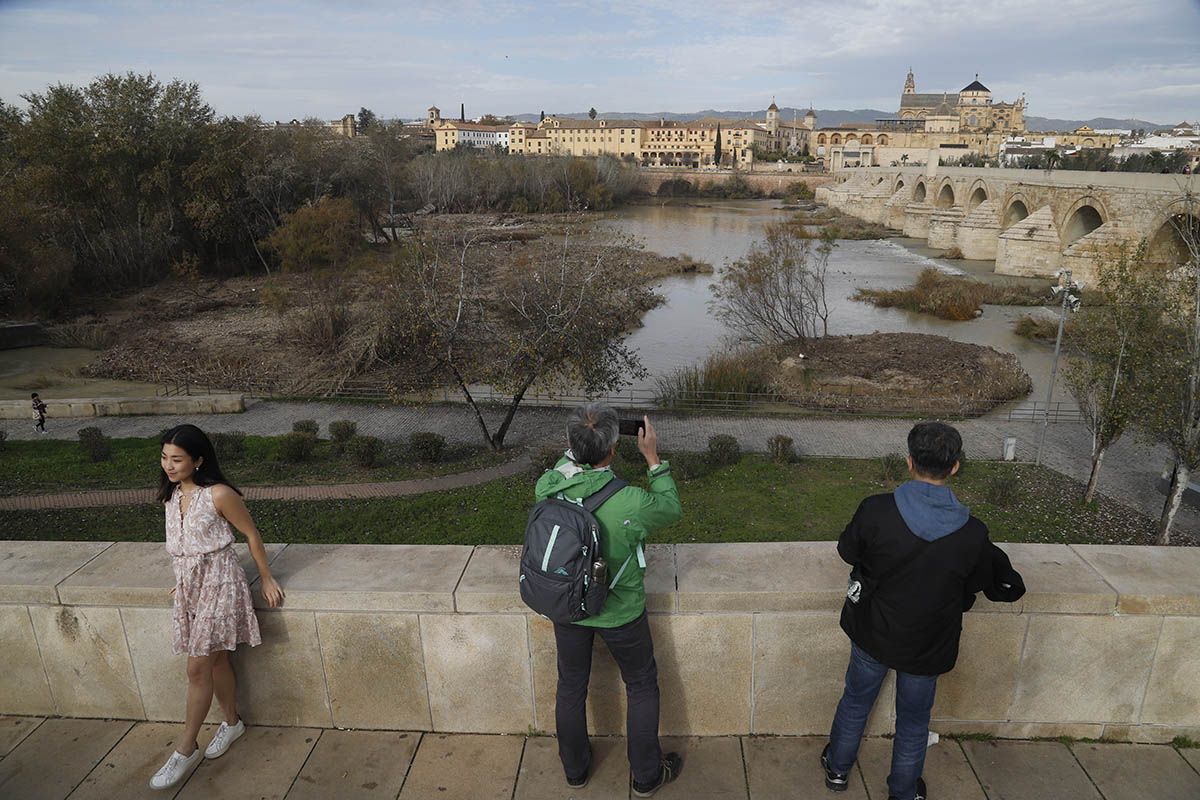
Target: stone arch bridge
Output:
{"points": [[1031, 223]]}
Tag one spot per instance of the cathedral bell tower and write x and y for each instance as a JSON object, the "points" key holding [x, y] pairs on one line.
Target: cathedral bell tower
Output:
{"points": [[910, 83]]}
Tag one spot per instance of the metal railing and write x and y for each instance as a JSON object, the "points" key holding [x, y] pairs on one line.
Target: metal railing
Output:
{"points": [[1037, 411]]}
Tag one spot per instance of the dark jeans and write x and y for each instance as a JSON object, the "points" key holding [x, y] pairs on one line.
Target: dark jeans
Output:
{"points": [[914, 701], [633, 651], [41, 423]]}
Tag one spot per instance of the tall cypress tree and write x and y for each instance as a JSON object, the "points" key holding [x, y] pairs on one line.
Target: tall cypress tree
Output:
{"points": [[717, 154]]}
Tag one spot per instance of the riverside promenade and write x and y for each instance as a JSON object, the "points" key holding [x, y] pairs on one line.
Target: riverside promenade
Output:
{"points": [[91, 759], [1130, 474]]}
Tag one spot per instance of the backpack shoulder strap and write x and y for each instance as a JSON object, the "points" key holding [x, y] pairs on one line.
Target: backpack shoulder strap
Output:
{"points": [[593, 502]]}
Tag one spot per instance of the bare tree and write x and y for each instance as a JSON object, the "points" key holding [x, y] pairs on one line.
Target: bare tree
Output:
{"points": [[776, 292]]}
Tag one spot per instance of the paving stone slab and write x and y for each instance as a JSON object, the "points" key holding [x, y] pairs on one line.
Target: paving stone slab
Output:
{"points": [[1017, 770], [356, 765], [464, 767], [541, 775], [489, 583], [137, 574], [760, 577], [788, 768], [1173, 692], [13, 730], [52, 760], [712, 769], [1058, 580], [29, 571], [947, 772], [126, 770], [1192, 756], [1149, 580], [262, 764], [370, 577], [1138, 771]]}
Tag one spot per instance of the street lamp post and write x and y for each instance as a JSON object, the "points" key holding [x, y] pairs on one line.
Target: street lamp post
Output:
{"points": [[1069, 291]]}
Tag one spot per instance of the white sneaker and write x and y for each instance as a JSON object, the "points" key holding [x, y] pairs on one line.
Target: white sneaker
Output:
{"points": [[226, 735], [174, 771]]}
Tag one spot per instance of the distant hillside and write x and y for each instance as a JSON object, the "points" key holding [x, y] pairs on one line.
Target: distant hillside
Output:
{"points": [[831, 118]]}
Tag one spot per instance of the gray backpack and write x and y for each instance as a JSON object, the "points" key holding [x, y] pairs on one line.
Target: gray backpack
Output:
{"points": [[562, 543]]}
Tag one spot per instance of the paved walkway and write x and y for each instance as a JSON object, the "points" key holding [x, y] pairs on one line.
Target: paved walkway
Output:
{"points": [[102, 759], [1131, 469], [332, 491]]}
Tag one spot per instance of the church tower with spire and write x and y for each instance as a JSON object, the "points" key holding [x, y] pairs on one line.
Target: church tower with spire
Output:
{"points": [[910, 83]]}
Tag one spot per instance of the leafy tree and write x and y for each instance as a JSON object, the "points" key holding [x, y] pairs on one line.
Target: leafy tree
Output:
{"points": [[776, 292], [717, 147], [1113, 342], [321, 235], [366, 120], [542, 118], [592, 113]]}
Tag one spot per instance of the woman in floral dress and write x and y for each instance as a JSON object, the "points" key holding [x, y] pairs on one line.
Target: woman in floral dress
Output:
{"points": [[213, 610]]}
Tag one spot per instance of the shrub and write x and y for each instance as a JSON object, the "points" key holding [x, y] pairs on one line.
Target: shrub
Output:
{"points": [[427, 447], [1002, 488], [342, 431], [96, 446], [893, 468], [723, 450], [782, 449], [3, 438], [690, 466], [297, 446], [364, 450], [724, 379], [306, 426], [953, 254], [230, 445], [1042, 329]]}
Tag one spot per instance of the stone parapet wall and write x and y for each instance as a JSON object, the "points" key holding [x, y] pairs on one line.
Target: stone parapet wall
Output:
{"points": [[649, 179], [746, 637], [128, 406]]}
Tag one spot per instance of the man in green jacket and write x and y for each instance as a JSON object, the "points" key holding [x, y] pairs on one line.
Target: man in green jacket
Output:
{"points": [[625, 519]]}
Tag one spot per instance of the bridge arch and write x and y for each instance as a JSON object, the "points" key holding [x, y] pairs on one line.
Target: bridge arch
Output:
{"points": [[1086, 215], [920, 194], [1016, 211], [945, 197], [898, 185], [1167, 247], [979, 194]]}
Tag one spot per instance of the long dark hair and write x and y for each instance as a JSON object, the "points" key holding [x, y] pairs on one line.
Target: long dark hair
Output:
{"points": [[198, 446]]}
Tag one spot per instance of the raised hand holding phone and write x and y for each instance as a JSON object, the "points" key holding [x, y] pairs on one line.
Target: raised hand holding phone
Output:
{"points": [[648, 443]]}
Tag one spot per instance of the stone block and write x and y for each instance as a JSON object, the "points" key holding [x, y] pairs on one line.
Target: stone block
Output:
{"points": [[375, 670], [262, 765], [1192, 756], [541, 774], [1029, 769], [477, 668], [1173, 694], [13, 730], [761, 577], [1057, 580], [799, 673], [982, 683], [282, 681], [1084, 669], [489, 584], [464, 767], [125, 771], [161, 675], [1137, 771], [24, 686], [1019, 730], [355, 765], [369, 577], [1149, 734], [947, 770], [57, 756], [787, 769], [704, 673], [712, 769], [1149, 580], [137, 574], [87, 661], [30, 571]]}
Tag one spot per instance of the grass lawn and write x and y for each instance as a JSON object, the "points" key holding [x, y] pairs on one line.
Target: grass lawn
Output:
{"points": [[755, 500], [54, 465]]}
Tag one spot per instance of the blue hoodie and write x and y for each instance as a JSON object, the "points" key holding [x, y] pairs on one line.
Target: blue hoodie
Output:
{"points": [[930, 511]]}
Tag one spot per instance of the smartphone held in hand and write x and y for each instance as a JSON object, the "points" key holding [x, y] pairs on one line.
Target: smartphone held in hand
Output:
{"points": [[632, 427]]}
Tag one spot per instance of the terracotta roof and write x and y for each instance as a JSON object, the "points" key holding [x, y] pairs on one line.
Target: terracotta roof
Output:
{"points": [[474, 126], [590, 124], [920, 100]]}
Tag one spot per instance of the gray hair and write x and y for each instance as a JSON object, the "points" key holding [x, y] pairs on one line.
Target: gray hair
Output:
{"points": [[592, 431]]}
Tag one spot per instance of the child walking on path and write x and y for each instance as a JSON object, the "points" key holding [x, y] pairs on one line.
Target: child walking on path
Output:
{"points": [[213, 610], [39, 413]]}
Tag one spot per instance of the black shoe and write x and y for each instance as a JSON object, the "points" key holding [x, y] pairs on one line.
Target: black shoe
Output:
{"points": [[672, 765], [837, 781], [582, 781], [921, 793]]}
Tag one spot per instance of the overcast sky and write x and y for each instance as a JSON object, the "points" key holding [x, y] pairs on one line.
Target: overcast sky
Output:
{"points": [[1073, 58]]}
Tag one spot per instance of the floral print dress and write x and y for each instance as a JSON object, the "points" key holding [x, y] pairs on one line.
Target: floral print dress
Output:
{"points": [[213, 608]]}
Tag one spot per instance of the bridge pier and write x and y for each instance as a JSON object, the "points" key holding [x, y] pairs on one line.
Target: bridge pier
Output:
{"points": [[979, 232], [916, 220], [1031, 247], [943, 227], [893, 209]]}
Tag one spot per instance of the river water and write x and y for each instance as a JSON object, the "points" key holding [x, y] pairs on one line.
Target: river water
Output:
{"points": [[682, 332]]}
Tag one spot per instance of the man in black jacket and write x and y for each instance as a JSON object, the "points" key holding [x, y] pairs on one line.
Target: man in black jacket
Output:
{"points": [[919, 557]]}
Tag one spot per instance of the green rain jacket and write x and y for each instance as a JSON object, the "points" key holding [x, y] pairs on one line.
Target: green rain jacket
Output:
{"points": [[626, 519]]}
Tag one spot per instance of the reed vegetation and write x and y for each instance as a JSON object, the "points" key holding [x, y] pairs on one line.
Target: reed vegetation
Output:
{"points": [[951, 297]]}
